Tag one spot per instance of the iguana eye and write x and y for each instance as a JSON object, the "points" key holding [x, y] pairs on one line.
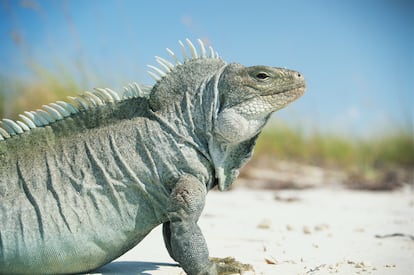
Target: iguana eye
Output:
{"points": [[262, 75]]}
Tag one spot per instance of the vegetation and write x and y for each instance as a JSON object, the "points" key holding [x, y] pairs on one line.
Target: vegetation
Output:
{"points": [[382, 161], [387, 149], [18, 95]]}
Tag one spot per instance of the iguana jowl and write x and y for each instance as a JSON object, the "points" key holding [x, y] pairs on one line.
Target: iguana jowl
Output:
{"points": [[81, 183]]}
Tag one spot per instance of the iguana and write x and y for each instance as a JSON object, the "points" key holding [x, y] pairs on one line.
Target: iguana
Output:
{"points": [[82, 182]]}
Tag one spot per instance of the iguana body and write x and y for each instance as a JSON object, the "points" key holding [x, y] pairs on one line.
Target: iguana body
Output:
{"points": [[80, 191]]}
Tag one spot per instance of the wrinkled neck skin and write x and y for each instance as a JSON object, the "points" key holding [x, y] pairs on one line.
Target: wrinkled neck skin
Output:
{"points": [[232, 140], [185, 101], [193, 113]]}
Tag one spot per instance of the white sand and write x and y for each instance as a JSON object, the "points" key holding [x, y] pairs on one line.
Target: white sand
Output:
{"points": [[316, 231]]}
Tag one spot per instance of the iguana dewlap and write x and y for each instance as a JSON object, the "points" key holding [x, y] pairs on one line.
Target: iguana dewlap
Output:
{"points": [[83, 182]]}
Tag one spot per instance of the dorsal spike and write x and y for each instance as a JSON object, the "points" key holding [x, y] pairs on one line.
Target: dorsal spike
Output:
{"points": [[173, 56], [183, 50], [89, 101], [100, 95], [107, 97], [81, 102], [154, 76], [93, 98], [45, 115], [23, 125], [202, 48], [11, 126], [133, 90], [157, 70], [62, 111], [4, 133], [35, 120], [127, 93], [28, 121], [7, 127], [192, 48], [114, 94], [52, 111], [67, 106], [40, 119], [168, 66], [212, 54], [138, 89]]}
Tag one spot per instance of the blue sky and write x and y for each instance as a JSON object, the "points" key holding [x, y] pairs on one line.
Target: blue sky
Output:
{"points": [[357, 55]]}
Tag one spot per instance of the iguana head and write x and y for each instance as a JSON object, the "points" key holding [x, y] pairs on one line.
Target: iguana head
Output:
{"points": [[224, 106], [248, 95]]}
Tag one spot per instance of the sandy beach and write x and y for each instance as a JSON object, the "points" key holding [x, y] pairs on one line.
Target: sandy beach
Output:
{"points": [[324, 230]]}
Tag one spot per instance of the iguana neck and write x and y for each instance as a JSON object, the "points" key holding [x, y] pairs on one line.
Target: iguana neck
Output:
{"points": [[186, 100]]}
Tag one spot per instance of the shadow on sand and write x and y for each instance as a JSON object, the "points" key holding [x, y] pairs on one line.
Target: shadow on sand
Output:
{"points": [[130, 268]]}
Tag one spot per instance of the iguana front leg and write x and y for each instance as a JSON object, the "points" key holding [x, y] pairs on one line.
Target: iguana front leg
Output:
{"points": [[182, 236]]}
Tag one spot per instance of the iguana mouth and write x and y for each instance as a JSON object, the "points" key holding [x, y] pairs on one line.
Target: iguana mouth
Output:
{"points": [[293, 88], [298, 91], [286, 96], [270, 102]]}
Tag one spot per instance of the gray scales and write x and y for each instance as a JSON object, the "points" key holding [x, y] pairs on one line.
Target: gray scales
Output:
{"points": [[84, 181]]}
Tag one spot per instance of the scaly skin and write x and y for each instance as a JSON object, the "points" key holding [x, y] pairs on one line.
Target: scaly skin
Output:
{"points": [[79, 192]]}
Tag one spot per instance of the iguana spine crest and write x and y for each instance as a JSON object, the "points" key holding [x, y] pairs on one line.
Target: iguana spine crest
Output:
{"points": [[60, 110]]}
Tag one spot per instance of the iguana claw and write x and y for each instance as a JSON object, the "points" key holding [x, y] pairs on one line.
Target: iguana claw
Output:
{"points": [[229, 265]]}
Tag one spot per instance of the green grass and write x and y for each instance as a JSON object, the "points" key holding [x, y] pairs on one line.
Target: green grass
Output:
{"points": [[18, 95], [383, 161], [393, 148]]}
